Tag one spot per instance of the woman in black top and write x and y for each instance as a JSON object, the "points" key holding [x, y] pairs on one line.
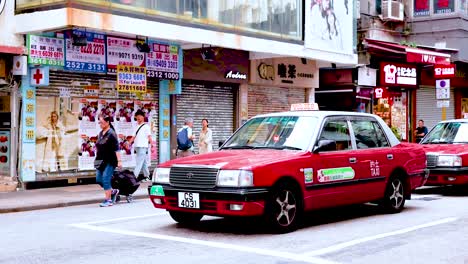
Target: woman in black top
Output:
{"points": [[107, 159]]}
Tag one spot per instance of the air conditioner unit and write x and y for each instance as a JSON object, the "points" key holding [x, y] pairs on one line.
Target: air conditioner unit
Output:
{"points": [[392, 10]]}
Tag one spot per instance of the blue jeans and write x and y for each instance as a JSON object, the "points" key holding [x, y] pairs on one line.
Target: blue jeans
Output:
{"points": [[141, 162], [104, 178]]}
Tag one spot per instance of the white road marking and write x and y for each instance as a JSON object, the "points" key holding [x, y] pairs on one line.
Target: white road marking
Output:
{"points": [[213, 244], [351, 243], [122, 219]]}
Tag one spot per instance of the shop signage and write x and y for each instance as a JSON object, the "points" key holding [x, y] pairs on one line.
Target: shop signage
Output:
{"points": [[425, 57], [444, 71], [162, 62], [288, 72], [39, 76], [131, 79], [121, 51], [28, 119], [45, 50], [398, 74], [20, 65], [236, 75], [89, 58], [91, 91], [379, 92]]}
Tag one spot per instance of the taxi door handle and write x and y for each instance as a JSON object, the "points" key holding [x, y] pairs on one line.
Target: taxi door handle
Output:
{"points": [[390, 156], [352, 160]]}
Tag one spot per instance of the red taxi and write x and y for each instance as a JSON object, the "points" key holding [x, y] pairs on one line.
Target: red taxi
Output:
{"points": [[446, 147], [279, 165]]}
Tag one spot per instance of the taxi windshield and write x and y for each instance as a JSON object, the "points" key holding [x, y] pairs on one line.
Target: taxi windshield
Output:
{"points": [[274, 132], [447, 133]]}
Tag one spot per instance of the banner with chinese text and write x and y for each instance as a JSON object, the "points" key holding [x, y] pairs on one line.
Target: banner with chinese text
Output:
{"points": [[89, 58], [131, 79], [162, 62], [45, 50], [121, 51]]}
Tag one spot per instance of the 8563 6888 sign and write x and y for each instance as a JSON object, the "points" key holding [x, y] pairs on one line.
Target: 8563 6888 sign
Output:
{"points": [[89, 58]]}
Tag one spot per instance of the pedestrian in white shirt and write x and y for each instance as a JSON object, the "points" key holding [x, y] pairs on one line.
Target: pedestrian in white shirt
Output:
{"points": [[205, 142], [141, 141]]}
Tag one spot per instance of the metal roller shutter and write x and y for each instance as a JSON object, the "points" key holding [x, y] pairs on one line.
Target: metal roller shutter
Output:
{"points": [[426, 107], [264, 100], [59, 79], [214, 102]]}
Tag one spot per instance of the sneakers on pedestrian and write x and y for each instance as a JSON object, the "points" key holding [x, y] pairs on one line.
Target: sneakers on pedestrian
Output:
{"points": [[114, 195], [106, 203]]}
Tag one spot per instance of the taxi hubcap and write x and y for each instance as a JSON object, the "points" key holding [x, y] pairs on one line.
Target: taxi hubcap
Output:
{"points": [[396, 198], [287, 208]]}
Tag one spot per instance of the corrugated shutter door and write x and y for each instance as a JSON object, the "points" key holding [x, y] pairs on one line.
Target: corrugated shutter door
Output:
{"points": [[426, 107], [264, 100], [59, 79], [214, 102]]}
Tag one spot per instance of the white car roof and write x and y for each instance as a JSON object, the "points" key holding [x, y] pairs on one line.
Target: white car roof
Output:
{"points": [[319, 114], [455, 121]]}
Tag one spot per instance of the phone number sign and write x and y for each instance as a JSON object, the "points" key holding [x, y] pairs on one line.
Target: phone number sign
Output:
{"points": [[122, 51], [89, 58], [131, 79], [45, 51], [162, 62]]}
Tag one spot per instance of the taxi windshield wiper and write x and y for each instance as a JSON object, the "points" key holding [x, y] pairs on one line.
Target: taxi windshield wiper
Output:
{"points": [[278, 147], [238, 147]]}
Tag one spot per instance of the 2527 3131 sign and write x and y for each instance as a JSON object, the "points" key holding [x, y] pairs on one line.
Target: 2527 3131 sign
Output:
{"points": [[89, 58]]}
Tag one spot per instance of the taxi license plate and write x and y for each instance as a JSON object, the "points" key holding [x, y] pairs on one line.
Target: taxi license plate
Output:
{"points": [[189, 200]]}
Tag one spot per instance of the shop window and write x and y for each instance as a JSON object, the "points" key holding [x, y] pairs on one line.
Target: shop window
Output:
{"points": [[337, 130], [422, 8], [444, 6]]}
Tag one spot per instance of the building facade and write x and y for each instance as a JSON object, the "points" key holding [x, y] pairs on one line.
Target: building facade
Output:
{"points": [[221, 60]]}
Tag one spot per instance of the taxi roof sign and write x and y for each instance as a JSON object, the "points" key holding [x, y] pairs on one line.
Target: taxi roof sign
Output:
{"points": [[305, 107]]}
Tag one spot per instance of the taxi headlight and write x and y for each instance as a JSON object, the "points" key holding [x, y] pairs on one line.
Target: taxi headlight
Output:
{"points": [[449, 161], [235, 178], [161, 175]]}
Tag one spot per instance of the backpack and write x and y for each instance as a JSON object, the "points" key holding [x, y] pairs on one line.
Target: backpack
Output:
{"points": [[183, 141]]}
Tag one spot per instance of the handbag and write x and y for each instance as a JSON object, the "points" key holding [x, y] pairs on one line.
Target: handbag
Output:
{"points": [[99, 165]]}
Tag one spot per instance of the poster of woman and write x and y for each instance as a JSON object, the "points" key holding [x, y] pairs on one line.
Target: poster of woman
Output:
{"points": [[329, 25], [88, 117], [126, 151], [57, 130], [125, 117]]}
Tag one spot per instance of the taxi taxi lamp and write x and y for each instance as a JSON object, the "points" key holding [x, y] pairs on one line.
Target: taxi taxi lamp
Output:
{"points": [[305, 107]]}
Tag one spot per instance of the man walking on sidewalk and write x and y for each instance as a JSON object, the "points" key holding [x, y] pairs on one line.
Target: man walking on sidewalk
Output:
{"points": [[142, 140]]}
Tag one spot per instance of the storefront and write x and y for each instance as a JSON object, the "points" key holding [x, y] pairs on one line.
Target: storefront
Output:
{"points": [[277, 83], [403, 95], [210, 90], [72, 81]]}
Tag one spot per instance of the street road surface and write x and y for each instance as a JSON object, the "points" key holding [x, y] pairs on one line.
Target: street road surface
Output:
{"points": [[432, 229]]}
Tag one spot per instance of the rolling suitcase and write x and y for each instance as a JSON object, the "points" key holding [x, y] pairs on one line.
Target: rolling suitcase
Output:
{"points": [[126, 183]]}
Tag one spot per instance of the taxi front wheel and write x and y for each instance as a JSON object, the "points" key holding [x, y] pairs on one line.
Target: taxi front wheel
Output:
{"points": [[284, 208], [394, 200], [184, 218]]}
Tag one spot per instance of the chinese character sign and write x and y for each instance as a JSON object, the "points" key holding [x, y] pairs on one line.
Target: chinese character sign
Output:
{"points": [[162, 61], [131, 79], [122, 51], [45, 50], [89, 58]]}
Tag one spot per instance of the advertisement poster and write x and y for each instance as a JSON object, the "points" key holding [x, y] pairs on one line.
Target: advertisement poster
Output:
{"points": [[149, 108], [125, 117], [88, 116], [329, 26], [131, 79], [126, 150], [421, 8], [444, 6], [45, 50], [56, 134], [90, 58], [121, 51], [108, 108], [5, 145], [162, 62]]}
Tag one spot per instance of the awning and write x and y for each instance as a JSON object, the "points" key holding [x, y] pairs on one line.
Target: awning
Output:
{"points": [[413, 55]]}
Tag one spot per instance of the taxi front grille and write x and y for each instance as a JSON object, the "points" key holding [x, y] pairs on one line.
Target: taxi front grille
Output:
{"points": [[431, 160], [193, 177]]}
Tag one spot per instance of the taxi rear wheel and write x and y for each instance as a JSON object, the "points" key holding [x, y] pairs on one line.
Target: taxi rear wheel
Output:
{"points": [[284, 208], [394, 200], [184, 218]]}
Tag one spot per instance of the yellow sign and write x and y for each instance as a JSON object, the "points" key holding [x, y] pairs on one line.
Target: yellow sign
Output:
{"points": [[131, 79], [30, 134]]}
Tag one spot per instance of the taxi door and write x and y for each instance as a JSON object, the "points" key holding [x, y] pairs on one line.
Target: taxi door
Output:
{"points": [[334, 166], [374, 157]]}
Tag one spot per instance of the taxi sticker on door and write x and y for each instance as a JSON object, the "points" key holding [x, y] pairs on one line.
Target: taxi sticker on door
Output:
{"points": [[308, 175], [335, 174]]}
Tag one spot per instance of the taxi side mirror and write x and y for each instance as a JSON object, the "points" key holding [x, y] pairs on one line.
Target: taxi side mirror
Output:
{"points": [[220, 143], [325, 145]]}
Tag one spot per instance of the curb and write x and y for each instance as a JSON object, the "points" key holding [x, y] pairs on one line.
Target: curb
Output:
{"points": [[60, 204]]}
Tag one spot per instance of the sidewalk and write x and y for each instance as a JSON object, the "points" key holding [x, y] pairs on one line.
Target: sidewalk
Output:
{"points": [[58, 197]]}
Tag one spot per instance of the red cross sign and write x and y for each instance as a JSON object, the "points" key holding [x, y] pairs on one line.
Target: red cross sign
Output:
{"points": [[39, 76]]}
